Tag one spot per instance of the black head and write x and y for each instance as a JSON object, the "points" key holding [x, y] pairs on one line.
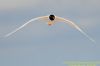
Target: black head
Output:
{"points": [[51, 17]]}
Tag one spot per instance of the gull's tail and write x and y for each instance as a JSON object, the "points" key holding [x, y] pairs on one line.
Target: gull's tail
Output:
{"points": [[75, 26], [24, 25]]}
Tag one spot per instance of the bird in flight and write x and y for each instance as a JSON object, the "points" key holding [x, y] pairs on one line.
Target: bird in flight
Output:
{"points": [[51, 19]]}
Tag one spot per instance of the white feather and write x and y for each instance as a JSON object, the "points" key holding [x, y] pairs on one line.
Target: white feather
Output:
{"points": [[75, 26], [43, 17]]}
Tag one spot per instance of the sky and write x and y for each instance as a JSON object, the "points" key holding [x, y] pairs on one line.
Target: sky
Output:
{"points": [[41, 45]]}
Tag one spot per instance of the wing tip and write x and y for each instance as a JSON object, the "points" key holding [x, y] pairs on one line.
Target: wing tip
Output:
{"points": [[7, 35], [93, 40]]}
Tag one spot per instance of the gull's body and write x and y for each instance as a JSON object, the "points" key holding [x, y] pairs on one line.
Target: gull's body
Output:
{"points": [[51, 19]]}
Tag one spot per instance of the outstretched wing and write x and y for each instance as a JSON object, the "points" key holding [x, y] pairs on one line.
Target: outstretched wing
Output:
{"points": [[43, 17], [75, 26]]}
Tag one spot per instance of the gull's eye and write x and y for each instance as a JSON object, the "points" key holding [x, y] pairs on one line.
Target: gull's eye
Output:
{"points": [[51, 17]]}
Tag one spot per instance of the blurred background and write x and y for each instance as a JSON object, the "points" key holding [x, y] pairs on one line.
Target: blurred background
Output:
{"points": [[41, 45]]}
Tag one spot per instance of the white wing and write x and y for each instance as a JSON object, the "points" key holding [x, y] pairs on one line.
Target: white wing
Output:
{"points": [[75, 26], [43, 17]]}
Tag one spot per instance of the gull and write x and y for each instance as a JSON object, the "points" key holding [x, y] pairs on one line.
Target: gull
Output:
{"points": [[51, 19]]}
